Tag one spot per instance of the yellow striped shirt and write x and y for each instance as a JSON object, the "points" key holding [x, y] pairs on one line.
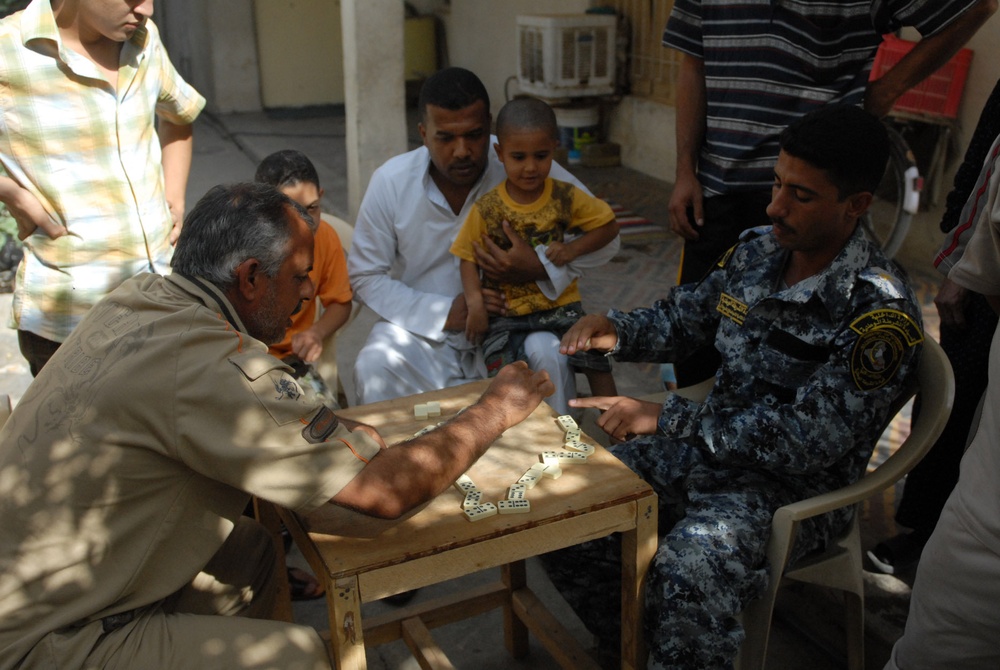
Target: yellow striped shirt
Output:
{"points": [[90, 153]]}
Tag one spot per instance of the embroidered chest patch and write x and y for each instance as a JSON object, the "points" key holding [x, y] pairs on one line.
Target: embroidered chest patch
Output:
{"points": [[285, 387], [732, 308], [884, 335]]}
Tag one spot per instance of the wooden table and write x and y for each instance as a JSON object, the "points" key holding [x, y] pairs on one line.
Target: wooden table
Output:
{"points": [[588, 501]]}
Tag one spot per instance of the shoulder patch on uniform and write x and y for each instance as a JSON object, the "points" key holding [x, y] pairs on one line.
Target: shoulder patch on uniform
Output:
{"points": [[321, 427], [883, 336]]}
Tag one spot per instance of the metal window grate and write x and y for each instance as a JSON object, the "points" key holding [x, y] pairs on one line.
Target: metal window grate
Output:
{"points": [[652, 67]]}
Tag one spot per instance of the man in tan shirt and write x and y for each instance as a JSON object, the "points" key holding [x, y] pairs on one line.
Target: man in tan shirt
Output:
{"points": [[126, 467]]}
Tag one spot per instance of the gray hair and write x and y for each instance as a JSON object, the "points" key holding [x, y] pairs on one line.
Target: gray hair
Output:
{"points": [[232, 223]]}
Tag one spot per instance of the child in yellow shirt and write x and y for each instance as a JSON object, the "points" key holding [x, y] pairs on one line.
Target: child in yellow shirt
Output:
{"points": [[543, 211]]}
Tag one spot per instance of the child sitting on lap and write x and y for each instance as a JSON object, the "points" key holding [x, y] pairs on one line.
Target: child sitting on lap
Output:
{"points": [[542, 211]]}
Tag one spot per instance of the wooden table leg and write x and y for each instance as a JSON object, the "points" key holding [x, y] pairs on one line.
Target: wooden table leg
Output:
{"points": [[515, 633], [638, 548], [425, 650], [267, 515], [347, 640]]}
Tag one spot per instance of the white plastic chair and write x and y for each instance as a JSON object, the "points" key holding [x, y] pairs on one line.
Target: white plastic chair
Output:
{"points": [[839, 566], [326, 365]]}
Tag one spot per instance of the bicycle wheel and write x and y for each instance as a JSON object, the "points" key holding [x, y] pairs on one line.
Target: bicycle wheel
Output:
{"points": [[897, 198]]}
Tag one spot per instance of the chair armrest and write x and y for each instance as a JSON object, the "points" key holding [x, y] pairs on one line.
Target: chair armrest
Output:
{"points": [[914, 447], [344, 230], [326, 364]]}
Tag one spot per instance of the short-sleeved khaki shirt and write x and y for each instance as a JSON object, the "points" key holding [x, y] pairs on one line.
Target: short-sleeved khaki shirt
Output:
{"points": [[124, 466]]}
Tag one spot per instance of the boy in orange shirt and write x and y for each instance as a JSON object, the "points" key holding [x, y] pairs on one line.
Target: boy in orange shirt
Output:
{"points": [[292, 173]]}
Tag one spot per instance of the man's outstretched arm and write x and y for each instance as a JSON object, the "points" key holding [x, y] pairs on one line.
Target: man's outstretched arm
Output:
{"points": [[401, 478]]}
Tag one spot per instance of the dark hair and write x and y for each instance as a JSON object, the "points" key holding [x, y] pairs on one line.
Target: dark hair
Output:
{"points": [[287, 167], [232, 223], [526, 114], [848, 143], [451, 88]]}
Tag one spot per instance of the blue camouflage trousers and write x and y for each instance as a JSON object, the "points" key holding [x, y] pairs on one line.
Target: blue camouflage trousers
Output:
{"points": [[711, 561], [504, 342]]}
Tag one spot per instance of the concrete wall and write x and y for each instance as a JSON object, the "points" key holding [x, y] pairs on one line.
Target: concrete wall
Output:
{"points": [[213, 45], [244, 54], [301, 52], [645, 131], [983, 74], [482, 37]]}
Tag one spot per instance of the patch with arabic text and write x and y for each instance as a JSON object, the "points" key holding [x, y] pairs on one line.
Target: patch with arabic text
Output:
{"points": [[732, 308], [883, 336]]}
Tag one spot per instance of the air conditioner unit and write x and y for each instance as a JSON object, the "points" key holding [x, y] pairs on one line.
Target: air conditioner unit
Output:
{"points": [[566, 55]]}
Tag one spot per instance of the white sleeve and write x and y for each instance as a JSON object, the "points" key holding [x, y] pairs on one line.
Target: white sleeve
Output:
{"points": [[373, 254], [979, 268], [561, 277], [956, 241]]}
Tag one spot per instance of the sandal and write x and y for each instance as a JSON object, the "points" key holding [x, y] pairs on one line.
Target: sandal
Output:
{"points": [[303, 586]]}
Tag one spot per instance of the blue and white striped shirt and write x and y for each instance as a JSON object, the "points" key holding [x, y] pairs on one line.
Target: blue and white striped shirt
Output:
{"points": [[768, 62]]}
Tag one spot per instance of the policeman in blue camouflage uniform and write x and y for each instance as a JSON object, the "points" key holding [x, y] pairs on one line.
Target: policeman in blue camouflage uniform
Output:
{"points": [[819, 336]]}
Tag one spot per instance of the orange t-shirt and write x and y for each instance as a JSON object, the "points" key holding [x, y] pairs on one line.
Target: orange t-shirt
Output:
{"points": [[329, 276]]}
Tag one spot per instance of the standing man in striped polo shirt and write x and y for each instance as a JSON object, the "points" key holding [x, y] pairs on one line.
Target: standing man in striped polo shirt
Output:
{"points": [[751, 68], [96, 189]]}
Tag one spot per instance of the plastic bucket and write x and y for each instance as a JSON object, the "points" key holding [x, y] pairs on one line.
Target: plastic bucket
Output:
{"points": [[578, 126]]}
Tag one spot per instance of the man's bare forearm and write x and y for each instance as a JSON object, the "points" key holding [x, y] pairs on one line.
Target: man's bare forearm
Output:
{"points": [[407, 475], [691, 111], [594, 239], [430, 463], [926, 57], [177, 147]]}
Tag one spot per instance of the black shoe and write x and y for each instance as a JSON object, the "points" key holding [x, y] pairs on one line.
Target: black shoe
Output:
{"points": [[896, 554], [401, 599]]}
